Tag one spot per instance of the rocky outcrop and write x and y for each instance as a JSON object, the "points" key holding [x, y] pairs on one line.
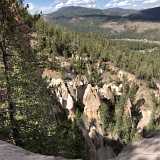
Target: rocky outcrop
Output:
{"points": [[92, 121], [49, 74], [77, 90], [11, 152], [58, 87], [91, 99], [106, 92], [147, 149], [144, 96], [92, 104], [122, 75], [145, 120], [77, 87]]}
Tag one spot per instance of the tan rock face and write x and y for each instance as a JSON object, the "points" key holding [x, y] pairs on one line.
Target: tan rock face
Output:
{"points": [[146, 94], [67, 92], [118, 90], [91, 99], [49, 74], [60, 89], [106, 92], [128, 108], [77, 87], [91, 113], [80, 80], [144, 101], [146, 118], [122, 75], [63, 96], [115, 89], [70, 107]]}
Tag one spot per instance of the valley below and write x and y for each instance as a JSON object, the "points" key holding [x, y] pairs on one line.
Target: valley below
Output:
{"points": [[113, 22]]}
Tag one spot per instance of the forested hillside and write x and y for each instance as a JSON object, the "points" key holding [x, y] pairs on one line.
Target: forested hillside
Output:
{"points": [[140, 58], [74, 94], [113, 22], [30, 117]]}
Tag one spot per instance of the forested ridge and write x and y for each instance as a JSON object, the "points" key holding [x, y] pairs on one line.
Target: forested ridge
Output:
{"points": [[32, 115]]}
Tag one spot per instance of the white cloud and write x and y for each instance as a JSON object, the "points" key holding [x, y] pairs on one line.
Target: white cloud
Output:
{"points": [[151, 1], [61, 3], [82, 3], [133, 4], [118, 3], [34, 9]]}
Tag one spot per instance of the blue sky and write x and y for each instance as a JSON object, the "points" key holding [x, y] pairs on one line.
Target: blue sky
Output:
{"points": [[47, 6]]}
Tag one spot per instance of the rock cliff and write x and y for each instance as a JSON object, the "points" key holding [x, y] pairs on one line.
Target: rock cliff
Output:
{"points": [[79, 90]]}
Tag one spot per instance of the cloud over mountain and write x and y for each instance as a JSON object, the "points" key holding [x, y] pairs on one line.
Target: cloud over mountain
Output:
{"points": [[83, 3], [134, 4], [56, 4], [61, 3]]}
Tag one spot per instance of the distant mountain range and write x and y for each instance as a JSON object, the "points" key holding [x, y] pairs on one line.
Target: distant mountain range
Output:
{"points": [[152, 14], [111, 21]]}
